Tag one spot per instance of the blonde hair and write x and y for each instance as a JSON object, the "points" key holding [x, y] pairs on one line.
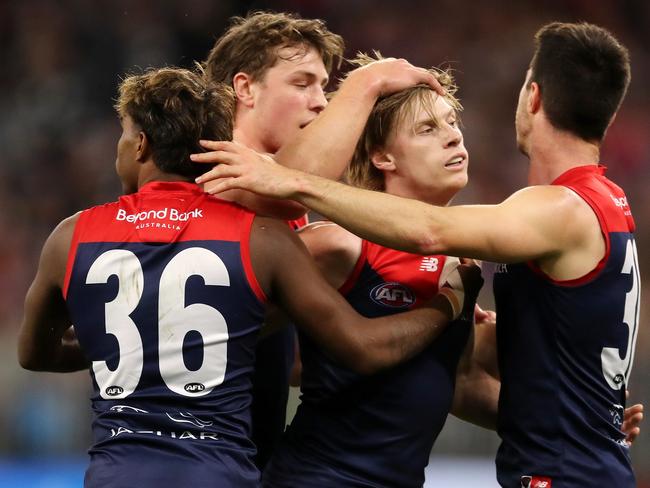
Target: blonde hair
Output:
{"points": [[388, 113]]}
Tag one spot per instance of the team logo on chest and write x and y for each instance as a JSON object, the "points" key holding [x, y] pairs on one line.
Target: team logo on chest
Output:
{"points": [[392, 294]]}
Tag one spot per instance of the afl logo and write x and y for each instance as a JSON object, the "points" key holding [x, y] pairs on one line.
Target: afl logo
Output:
{"points": [[392, 294], [114, 390], [194, 387]]}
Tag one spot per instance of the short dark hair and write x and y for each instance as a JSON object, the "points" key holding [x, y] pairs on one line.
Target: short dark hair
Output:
{"points": [[251, 44], [175, 108], [583, 73]]}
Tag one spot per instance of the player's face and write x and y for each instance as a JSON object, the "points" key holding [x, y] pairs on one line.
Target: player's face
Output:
{"points": [[126, 163], [289, 96], [429, 155], [522, 117]]}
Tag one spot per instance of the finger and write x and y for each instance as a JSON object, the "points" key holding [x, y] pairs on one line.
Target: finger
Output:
{"points": [[219, 145], [221, 185], [208, 157], [479, 314], [432, 81], [221, 158], [218, 172], [633, 420], [633, 410], [632, 435]]}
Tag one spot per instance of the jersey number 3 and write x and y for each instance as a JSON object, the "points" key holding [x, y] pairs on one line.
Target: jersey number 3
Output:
{"points": [[174, 322], [615, 368]]}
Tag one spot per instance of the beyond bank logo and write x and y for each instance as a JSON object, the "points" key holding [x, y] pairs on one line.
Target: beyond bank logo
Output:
{"points": [[162, 214]]}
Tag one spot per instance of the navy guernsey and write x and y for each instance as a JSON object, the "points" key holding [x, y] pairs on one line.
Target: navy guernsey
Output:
{"points": [[372, 431], [565, 353], [165, 304]]}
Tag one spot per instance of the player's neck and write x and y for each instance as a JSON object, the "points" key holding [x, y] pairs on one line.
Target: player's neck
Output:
{"points": [[552, 152], [397, 187], [246, 136], [151, 174]]}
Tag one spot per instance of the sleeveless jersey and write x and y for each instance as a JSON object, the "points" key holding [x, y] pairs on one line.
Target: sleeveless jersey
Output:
{"points": [[372, 431], [274, 358], [165, 304], [565, 352]]}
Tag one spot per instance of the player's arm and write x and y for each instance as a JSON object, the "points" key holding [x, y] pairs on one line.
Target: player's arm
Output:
{"points": [[476, 396], [326, 145], [530, 224], [286, 270], [260, 205], [46, 341], [334, 249], [335, 252]]}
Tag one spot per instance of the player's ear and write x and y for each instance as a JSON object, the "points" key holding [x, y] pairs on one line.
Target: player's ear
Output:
{"points": [[244, 89], [534, 97], [143, 148], [383, 160]]}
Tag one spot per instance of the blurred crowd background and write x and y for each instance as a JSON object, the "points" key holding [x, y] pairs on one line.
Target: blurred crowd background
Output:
{"points": [[61, 61]]}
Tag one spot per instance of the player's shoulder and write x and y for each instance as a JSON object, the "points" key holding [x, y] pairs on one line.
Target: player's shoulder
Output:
{"points": [[65, 229], [325, 238], [55, 250], [555, 203]]}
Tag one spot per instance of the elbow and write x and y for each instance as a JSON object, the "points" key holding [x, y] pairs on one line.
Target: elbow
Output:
{"points": [[427, 240], [367, 360], [366, 367], [33, 359], [285, 210], [294, 210], [29, 362]]}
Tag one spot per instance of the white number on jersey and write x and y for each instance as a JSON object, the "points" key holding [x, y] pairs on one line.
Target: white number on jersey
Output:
{"points": [[175, 321], [617, 369]]}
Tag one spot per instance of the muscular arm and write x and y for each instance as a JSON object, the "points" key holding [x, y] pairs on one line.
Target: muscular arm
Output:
{"points": [[531, 224], [335, 252], [336, 132], [336, 140], [334, 249], [285, 268], [46, 340], [476, 396]]}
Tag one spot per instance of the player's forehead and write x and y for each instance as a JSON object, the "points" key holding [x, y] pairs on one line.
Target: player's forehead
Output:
{"points": [[299, 60], [427, 108], [433, 104]]}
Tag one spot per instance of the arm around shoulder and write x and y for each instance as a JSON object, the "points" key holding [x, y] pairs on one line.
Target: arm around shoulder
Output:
{"points": [[362, 344]]}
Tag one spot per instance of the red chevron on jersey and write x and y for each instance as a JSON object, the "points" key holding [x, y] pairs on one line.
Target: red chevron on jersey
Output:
{"points": [[409, 279], [166, 212], [606, 199]]}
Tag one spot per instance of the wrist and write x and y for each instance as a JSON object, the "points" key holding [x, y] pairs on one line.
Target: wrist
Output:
{"points": [[443, 304], [362, 83]]}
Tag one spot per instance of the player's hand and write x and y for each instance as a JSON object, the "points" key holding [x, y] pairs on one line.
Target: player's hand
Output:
{"points": [[632, 418], [461, 286], [391, 75], [243, 168], [484, 316]]}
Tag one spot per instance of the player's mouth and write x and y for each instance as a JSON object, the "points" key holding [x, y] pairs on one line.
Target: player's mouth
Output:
{"points": [[457, 163], [305, 124]]}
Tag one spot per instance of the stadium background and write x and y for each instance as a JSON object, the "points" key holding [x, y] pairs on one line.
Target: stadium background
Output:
{"points": [[61, 61]]}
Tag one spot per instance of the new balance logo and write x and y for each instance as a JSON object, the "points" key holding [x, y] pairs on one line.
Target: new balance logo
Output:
{"points": [[429, 264], [619, 202], [535, 482]]}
